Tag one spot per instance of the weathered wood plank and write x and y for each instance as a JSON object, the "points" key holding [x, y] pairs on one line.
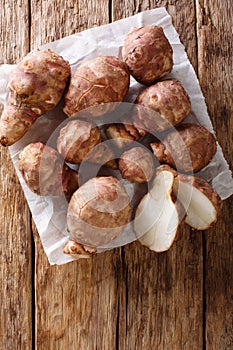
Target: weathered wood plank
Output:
{"points": [[15, 232], [76, 304], [162, 305], [216, 75], [53, 20], [129, 298]]}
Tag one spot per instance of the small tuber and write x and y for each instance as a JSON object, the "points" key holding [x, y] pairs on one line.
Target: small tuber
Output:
{"points": [[44, 171], [97, 83], [125, 132], [148, 54], [190, 147], [98, 211], [77, 139], [80, 141], [136, 165], [77, 250], [162, 105], [36, 86]]}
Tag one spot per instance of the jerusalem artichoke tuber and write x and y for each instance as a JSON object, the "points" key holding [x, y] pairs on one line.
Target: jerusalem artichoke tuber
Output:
{"points": [[188, 148], [97, 83], [148, 54], [98, 211], [44, 171], [162, 105], [36, 86]]}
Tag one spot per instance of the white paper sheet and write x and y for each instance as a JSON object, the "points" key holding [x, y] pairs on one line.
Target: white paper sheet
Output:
{"points": [[48, 213]]}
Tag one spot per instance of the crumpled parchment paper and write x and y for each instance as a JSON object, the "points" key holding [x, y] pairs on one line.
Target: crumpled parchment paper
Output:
{"points": [[49, 214]]}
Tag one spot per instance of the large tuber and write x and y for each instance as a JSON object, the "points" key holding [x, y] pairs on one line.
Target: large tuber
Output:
{"points": [[98, 211], [162, 105], [36, 86], [148, 54], [188, 148], [44, 171], [97, 83]]}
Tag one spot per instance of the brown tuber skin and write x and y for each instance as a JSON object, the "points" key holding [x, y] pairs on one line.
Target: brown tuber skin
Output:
{"points": [[164, 105], [95, 83], [44, 171], [80, 141], [78, 251], [36, 86], [136, 165], [77, 139], [189, 148], [124, 133], [98, 211], [148, 54], [102, 154]]}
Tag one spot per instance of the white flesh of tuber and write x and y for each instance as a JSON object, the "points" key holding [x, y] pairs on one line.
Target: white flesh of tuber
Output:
{"points": [[157, 218], [202, 204]]}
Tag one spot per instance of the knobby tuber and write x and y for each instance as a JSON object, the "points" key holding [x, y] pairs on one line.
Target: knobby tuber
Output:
{"points": [[77, 139], [44, 171], [97, 83], [36, 86], [102, 154], [188, 148], [126, 132], [137, 165], [78, 251], [80, 141], [162, 105], [98, 211], [148, 54]]}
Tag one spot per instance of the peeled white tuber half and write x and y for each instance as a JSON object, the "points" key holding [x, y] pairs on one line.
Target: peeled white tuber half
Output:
{"points": [[201, 202], [157, 217]]}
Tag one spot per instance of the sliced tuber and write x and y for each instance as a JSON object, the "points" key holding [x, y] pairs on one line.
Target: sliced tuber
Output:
{"points": [[157, 217], [188, 148], [36, 86], [44, 171], [201, 202]]}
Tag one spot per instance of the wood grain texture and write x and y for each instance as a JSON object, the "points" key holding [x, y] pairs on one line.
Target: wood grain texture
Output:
{"points": [[129, 298], [216, 76], [54, 19], [15, 225], [162, 308], [76, 304]]}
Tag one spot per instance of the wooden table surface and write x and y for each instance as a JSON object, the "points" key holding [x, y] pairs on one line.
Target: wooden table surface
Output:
{"points": [[128, 298]]}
